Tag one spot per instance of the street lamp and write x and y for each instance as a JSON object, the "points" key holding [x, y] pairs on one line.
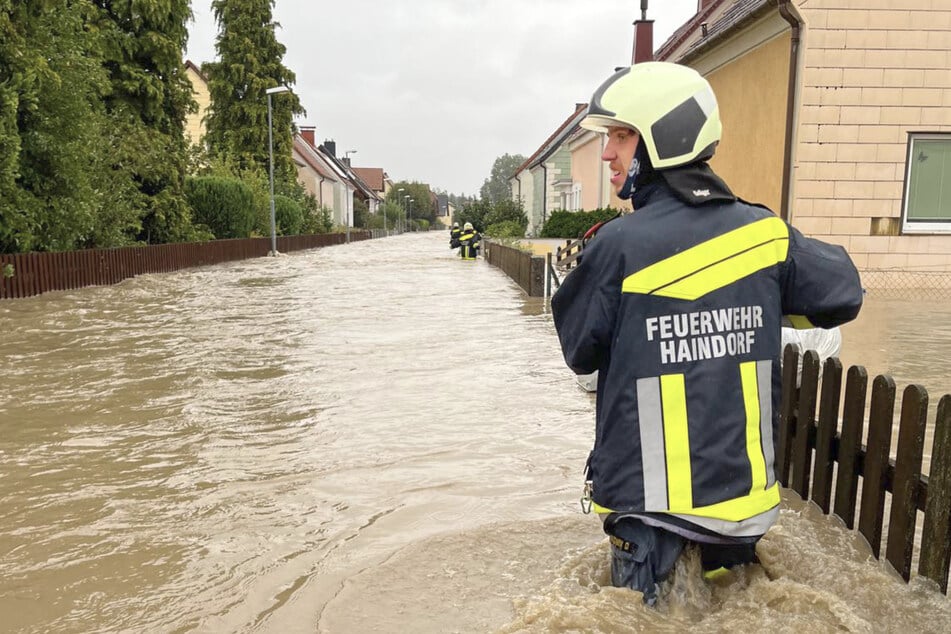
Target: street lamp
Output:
{"points": [[348, 220], [411, 201], [409, 224], [270, 150], [398, 197]]}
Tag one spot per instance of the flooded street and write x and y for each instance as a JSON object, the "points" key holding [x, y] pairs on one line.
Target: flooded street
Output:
{"points": [[368, 437]]}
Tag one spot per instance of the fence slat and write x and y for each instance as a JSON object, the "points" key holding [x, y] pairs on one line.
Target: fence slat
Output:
{"points": [[850, 444], [787, 415], [825, 434], [881, 415], [805, 423], [911, 441], [935, 556]]}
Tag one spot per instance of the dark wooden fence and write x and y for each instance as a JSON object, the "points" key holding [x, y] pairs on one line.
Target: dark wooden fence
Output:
{"points": [[28, 274], [566, 257], [819, 453], [526, 269]]}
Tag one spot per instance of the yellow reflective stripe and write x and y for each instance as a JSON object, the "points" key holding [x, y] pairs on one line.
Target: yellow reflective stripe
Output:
{"points": [[710, 575], [676, 441], [740, 508], [754, 443], [735, 510], [715, 263], [799, 322]]}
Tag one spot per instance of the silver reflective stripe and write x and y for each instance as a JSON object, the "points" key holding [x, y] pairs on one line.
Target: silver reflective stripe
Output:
{"points": [[750, 527], [764, 379], [651, 418]]}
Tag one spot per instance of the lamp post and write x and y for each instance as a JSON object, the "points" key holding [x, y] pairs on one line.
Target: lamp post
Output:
{"points": [[270, 150], [399, 200], [409, 224], [349, 219], [411, 201]]}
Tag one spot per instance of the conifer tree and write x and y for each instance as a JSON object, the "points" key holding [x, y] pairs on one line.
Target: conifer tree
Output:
{"points": [[149, 97], [250, 62], [50, 124]]}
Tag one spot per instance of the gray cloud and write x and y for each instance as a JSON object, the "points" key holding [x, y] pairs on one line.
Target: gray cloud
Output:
{"points": [[435, 90]]}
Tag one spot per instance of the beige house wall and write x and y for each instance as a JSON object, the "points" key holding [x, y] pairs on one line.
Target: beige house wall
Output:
{"points": [[752, 93], [586, 170], [872, 71], [194, 121]]}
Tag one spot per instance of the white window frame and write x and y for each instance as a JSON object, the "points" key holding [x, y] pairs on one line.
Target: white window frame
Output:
{"points": [[916, 141], [576, 197]]}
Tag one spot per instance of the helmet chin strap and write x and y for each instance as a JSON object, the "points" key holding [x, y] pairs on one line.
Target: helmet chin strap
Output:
{"points": [[639, 173]]}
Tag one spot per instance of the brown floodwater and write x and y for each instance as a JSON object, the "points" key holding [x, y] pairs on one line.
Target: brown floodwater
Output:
{"points": [[368, 437]]}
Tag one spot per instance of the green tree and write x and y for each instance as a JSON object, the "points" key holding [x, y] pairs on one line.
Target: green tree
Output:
{"points": [[474, 211], [250, 62], [361, 213], [421, 207], [51, 85], [142, 43], [496, 187]]}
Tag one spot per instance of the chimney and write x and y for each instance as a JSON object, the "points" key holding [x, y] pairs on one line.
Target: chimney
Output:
{"points": [[643, 38], [307, 132], [331, 146]]}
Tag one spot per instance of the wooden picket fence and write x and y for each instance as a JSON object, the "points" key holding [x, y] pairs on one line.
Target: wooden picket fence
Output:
{"points": [[815, 452], [29, 274]]}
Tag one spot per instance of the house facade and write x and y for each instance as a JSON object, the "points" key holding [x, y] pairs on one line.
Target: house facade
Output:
{"points": [[837, 115], [543, 182], [313, 172], [195, 121]]}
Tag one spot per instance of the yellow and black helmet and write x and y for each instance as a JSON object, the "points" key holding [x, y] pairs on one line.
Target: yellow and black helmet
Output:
{"points": [[671, 106]]}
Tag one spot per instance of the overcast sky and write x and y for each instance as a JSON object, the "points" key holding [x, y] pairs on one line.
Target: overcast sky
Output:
{"points": [[435, 90]]}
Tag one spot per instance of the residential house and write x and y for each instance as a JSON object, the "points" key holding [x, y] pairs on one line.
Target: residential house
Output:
{"points": [[375, 178], [543, 182], [195, 121], [445, 210], [313, 170], [837, 115]]}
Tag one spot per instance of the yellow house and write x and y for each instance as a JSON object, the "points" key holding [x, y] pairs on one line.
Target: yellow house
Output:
{"points": [[837, 115], [195, 121]]}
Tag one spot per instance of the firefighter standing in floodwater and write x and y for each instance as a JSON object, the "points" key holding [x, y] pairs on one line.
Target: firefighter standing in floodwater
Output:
{"points": [[469, 241], [679, 308]]}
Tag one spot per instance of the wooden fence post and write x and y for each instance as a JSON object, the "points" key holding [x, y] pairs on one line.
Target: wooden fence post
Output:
{"points": [[911, 441], [935, 556], [850, 444], [825, 434], [882, 412]]}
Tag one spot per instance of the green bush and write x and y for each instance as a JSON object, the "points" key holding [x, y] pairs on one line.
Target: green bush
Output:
{"points": [[225, 205], [288, 215], [505, 229], [574, 224]]}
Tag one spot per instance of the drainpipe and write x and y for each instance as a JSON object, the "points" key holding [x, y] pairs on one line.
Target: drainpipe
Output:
{"points": [[544, 193], [795, 31]]}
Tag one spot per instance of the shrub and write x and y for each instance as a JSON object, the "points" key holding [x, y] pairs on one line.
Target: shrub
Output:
{"points": [[574, 224], [505, 229], [288, 215], [224, 205]]}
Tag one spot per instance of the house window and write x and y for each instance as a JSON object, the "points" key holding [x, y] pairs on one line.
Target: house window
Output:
{"points": [[927, 204], [576, 197]]}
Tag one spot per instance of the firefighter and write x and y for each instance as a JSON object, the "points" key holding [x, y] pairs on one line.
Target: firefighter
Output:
{"points": [[679, 308], [469, 241], [454, 236]]}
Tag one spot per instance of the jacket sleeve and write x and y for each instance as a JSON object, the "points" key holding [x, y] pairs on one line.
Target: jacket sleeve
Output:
{"points": [[585, 308], [821, 286]]}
